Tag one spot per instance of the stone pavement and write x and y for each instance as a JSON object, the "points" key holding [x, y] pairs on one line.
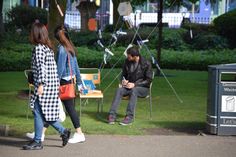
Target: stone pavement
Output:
{"points": [[126, 146]]}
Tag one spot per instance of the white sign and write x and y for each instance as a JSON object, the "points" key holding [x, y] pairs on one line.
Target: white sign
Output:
{"points": [[228, 103]]}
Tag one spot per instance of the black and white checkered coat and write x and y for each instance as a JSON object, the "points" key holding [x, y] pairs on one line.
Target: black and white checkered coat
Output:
{"points": [[45, 72]]}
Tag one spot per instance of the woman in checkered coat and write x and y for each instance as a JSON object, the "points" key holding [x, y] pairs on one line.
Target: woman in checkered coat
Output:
{"points": [[45, 99]]}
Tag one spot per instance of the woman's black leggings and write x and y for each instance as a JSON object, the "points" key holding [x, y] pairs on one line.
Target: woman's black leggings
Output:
{"points": [[70, 109]]}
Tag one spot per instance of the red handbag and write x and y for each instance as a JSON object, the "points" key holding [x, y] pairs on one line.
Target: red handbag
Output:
{"points": [[67, 91]]}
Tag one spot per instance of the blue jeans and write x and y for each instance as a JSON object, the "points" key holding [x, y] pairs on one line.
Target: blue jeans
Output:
{"points": [[39, 122], [133, 93]]}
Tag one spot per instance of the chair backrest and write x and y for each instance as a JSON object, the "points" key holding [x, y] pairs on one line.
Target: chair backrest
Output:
{"points": [[26, 72], [91, 74], [153, 75]]}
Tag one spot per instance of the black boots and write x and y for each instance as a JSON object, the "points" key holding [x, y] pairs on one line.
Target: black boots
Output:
{"points": [[65, 137], [33, 146]]}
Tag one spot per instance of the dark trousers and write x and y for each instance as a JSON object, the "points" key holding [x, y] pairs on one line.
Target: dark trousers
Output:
{"points": [[70, 109], [133, 94]]}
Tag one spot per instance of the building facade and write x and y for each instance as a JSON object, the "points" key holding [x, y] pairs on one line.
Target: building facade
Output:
{"points": [[201, 12]]}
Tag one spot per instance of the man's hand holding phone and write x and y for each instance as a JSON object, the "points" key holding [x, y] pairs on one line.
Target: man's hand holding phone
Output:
{"points": [[124, 82], [127, 84]]}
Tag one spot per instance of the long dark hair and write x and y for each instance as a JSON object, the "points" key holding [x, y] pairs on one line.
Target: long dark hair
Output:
{"points": [[39, 35], [61, 34]]}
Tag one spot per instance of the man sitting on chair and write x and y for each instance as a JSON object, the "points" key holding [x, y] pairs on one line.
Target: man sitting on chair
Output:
{"points": [[136, 80]]}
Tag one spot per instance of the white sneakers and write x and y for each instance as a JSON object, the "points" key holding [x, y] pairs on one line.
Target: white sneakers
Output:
{"points": [[31, 136], [77, 138]]}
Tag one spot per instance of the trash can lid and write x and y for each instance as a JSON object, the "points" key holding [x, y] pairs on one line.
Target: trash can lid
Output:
{"points": [[231, 66]]}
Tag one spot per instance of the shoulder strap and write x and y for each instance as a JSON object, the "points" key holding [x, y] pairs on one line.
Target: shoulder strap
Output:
{"points": [[68, 56]]}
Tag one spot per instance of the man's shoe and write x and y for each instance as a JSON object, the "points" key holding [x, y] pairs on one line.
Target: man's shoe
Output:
{"points": [[77, 138], [127, 121], [65, 137], [31, 136], [111, 119], [33, 145]]}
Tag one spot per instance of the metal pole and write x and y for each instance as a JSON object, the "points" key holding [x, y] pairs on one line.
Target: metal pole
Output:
{"points": [[160, 28]]}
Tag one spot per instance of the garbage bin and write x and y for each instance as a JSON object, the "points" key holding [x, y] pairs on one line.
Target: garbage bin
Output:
{"points": [[221, 100]]}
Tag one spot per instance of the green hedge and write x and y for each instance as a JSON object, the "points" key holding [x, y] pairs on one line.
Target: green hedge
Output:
{"points": [[226, 26], [172, 38], [16, 57], [204, 37], [196, 60], [185, 60], [209, 41]]}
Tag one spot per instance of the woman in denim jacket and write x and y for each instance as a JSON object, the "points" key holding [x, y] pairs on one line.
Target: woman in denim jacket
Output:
{"points": [[65, 50]]}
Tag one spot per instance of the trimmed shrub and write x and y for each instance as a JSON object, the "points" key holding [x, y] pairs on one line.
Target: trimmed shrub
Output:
{"points": [[17, 57], [204, 37], [23, 16], [196, 60], [172, 38], [226, 26], [14, 36], [209, 41]]}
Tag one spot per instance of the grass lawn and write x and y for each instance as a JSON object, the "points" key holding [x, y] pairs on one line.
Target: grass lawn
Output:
{"points": [[167, 111]]}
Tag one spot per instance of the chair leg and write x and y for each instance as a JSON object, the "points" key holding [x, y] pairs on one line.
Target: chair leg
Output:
{"points": [[80, 109], [134, 113], [98, 107], [28, 106], [102, 106], [86, 102], [150, 103]]}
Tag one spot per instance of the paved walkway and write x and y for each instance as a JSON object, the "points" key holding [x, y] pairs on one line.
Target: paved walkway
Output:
{"points": [[126, 146]]}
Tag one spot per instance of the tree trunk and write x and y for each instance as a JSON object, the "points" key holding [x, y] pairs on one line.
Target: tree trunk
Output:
{"points": [[1, 19], [54, 18], [115, 11], [160, 28], [87, 10]]}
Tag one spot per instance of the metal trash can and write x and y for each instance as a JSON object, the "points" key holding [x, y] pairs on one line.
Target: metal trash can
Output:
{"points": [[221, 100]]}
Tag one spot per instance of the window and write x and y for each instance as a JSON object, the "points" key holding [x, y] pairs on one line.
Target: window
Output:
{"points": [[153, 7], [231, 4]]}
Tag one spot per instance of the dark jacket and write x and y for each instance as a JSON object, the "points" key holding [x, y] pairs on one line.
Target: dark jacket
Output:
{"points": [[141, 76]]}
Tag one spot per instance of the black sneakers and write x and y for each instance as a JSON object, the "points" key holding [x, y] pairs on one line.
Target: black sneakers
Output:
{"points": [[33, 145], [65, 137], [127, 121]]}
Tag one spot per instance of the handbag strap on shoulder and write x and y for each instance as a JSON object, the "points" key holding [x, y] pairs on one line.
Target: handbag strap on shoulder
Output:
{"points": [[68, 56]]}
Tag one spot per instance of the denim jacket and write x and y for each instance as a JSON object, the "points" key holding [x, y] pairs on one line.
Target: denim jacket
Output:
{"points": [[63, 66]]}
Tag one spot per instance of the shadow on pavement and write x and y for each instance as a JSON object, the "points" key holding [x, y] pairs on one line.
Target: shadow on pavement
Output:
{"points": [[13, 143], [176, 128]]}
